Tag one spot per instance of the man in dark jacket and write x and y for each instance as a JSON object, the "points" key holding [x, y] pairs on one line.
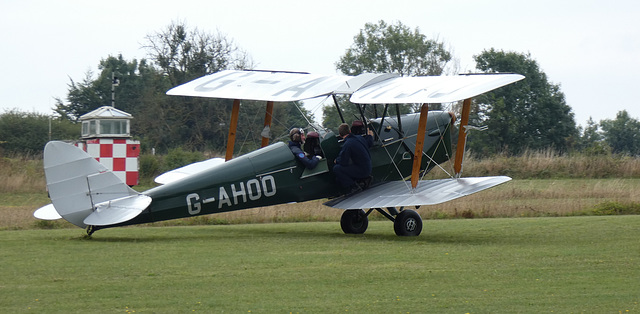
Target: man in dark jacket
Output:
{"points": [[297, 138], [354, 161]]}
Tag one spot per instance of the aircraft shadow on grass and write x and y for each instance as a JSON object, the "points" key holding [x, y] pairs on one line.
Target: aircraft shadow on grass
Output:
{"points": [[209, 234]]}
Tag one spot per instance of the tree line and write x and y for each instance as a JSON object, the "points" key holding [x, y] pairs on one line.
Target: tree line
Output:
{"points": [[528, 115]]}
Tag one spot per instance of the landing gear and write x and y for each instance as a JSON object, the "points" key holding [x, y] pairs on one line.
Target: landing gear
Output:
{"points": [[354, 221], [407, 223], [90, 230]]}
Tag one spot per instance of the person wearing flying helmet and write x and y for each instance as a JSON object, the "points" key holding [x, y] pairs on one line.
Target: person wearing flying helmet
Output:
{"points": [[296, 136]]}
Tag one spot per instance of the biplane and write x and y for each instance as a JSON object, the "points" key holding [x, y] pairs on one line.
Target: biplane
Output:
{"points": [[406, 147]]}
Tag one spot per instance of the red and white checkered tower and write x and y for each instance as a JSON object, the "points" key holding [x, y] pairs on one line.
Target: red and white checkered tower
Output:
{"points": [[106, 136]]}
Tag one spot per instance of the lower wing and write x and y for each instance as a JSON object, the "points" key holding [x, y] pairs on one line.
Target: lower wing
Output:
{"points": [[428, 192]]}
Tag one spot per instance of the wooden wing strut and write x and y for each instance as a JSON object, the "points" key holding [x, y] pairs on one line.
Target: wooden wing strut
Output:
{"points": [[267, 122], [231, 140], [417, 155], [462, 137]]}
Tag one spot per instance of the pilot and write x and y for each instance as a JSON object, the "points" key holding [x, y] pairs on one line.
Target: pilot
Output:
{"points": [[296, 137], [353, 165]]}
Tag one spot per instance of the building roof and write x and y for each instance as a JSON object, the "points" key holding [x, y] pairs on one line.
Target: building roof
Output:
{"points": [[106, 112]]}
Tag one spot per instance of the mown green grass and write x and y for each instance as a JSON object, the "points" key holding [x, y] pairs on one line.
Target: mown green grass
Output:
{"points": [[534, 265]]}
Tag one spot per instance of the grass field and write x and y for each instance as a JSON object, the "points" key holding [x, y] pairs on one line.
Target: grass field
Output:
{"points": [[530, 265], [219, 263]]}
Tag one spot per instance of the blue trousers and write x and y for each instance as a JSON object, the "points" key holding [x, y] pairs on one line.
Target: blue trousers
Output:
{"points": [[346, 176]]}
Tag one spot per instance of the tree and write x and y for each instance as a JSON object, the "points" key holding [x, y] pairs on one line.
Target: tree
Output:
{"points": [[331, 118], [136, 81], [181, 55], [82, 96], [184, 54], [591, 139], [530, 114], [384, 48], [622, 133]]}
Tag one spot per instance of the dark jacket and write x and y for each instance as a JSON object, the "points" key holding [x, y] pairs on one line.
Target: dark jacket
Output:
{"points": [[355, 153], [310, 163]]}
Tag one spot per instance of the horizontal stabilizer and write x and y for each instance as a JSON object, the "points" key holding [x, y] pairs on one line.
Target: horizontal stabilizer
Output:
{"points": [[47, 212], [428, 192], [188, 170], [118, 210]]}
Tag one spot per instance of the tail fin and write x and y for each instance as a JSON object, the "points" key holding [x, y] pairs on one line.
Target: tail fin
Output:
{"points": [[82, 190]]}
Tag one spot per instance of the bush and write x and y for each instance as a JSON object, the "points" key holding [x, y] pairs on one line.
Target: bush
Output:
{"points": [[150, 166], [615, 208], [178, 157], [27, 133]]}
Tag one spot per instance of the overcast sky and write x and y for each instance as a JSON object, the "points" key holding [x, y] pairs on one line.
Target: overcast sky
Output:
{"points": [[589, 48]]}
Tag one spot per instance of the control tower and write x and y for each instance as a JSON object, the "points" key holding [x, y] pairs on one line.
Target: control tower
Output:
{"points": [[106, 136]]}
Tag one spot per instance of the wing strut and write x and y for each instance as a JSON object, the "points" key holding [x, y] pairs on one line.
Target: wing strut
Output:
{"points": [[384, 114], [335, 101], [417, 155], [401, 131], [267, 122], [462, 137], [231, 140]]}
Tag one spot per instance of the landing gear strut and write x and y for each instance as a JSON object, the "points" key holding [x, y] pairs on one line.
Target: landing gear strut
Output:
{"points": [[90, 230]]}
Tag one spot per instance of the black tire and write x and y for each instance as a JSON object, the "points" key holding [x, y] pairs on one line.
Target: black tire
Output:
{"points": [[408, 223], [354, 221]]}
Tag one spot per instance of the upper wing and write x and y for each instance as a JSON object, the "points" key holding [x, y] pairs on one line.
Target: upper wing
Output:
{"points": [[365, 88], [428, 192], [431, 89], [260, 85]]}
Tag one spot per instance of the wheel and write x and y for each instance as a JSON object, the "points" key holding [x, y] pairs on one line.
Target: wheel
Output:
{"points": [[408, 223], [354, 221]]}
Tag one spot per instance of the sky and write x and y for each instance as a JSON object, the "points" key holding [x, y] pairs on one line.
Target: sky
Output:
{"points": [[590, 48]]}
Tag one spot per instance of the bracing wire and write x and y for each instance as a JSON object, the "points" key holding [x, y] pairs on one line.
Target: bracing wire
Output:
{"points": [[314, 109], [295, 103], [439, 145], [394, 154], [279, 122], [246, 136]]}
